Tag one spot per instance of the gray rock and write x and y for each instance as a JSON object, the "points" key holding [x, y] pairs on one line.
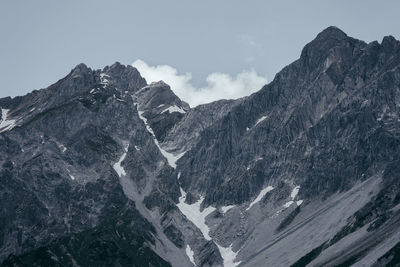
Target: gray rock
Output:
{"points": [[85, 166]]}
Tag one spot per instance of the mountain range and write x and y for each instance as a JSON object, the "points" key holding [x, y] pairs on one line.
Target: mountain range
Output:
{"points": [[103, 169]]}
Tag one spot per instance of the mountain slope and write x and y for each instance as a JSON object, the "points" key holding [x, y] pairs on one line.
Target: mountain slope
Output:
{"points": [[302, 172], [327, 122], [58, 176]]}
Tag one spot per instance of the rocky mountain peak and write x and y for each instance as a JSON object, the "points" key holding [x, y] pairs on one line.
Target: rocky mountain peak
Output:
{"points": [[160, 83], [331, 42], [118, 69], [80, 68], [80, 71], [125, 78], [81, 76], [332, 32], [389, 43], [80, 79], [161, 107], [159, 94]]}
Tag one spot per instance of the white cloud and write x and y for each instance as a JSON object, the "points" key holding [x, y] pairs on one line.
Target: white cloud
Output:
{"points": [[218, 85]]}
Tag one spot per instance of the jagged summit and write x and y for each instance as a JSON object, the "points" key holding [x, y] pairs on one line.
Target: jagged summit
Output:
{"points": [[162, 108], [80, 71], [331, 42], [160, 93], [390, 44], [124, 77], [160, 83], [331, 32], [80, 67], [118, 69]]}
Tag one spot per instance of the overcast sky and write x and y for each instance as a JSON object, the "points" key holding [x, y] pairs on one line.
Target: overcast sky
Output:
{"points": [[208, 45]]}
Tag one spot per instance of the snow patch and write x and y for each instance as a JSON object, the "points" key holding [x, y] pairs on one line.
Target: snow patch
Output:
{"points": [[255, 160], [137, 148], [260, 120], [143, 118], [174, 108], [293, 195], [193, 213], [228, 256], [295, 191], [260, 196], [117, 166], [226, 208], [70, 175], [171, 158], [6, 125], [62, 147], [288, 204], [190, 254], [104, 79]]}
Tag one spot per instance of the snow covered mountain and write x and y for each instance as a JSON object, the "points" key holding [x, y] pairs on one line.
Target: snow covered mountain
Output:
{"points": [[104, 169]]}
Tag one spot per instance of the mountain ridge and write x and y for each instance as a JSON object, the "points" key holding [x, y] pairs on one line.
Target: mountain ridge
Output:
{"points": [[291, 174]]}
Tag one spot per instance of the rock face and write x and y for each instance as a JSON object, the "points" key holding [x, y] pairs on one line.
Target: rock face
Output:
{"points": [[319, 107], [59, 186], [161, 107], [102, 168]]}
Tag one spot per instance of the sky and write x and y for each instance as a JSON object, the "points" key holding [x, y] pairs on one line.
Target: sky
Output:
{"points": [[206, 50]]}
